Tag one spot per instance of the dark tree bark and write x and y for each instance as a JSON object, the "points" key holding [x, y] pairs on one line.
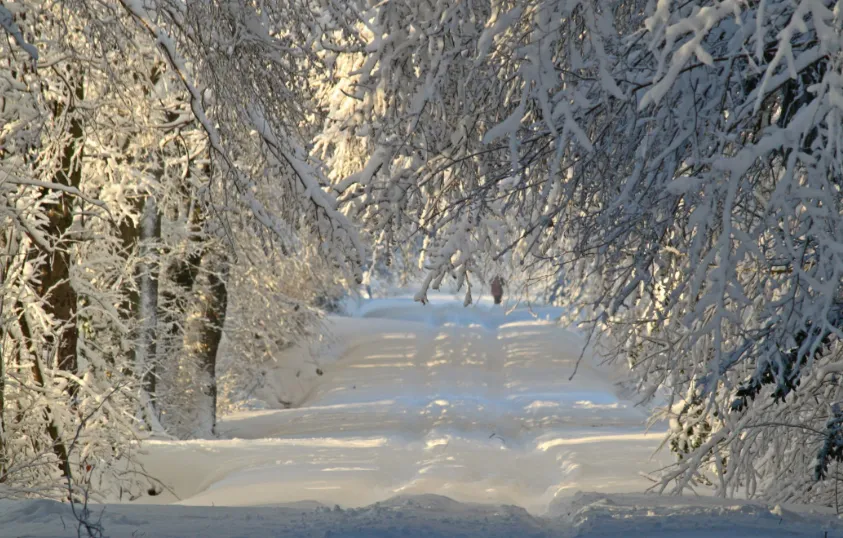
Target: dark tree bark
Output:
{"points": [[4, 269], [54, 286], [204, 331], [54, 282], [59, 447], [147, 276]]}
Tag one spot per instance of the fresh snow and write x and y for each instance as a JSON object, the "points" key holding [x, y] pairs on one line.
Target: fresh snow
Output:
{"points": [[433, 420], [431, 516]]}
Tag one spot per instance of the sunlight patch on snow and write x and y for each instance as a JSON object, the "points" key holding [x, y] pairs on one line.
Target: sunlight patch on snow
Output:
{"points": [[397, 336], [530, 323], [342, 406], [382, 356], [521, 335], [432, 443], [546, 445], [383, 365], [585, 404], [539, 404], [317, 442]]}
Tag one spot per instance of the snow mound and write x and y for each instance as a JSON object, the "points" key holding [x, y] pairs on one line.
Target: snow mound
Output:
{"points": [[599, 514]]}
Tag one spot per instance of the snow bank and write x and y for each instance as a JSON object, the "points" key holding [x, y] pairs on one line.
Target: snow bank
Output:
{"points": [[431, 516]]}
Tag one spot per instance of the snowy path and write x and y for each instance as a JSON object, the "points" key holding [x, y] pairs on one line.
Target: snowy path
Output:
{"points": [[458, 402], [462, 403]]}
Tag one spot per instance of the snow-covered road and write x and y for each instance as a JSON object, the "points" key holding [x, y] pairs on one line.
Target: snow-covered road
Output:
{"points": [[467, 403], [464, 403]]}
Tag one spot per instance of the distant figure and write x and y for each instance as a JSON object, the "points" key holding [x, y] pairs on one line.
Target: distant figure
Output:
{"points": [[497, 289]]}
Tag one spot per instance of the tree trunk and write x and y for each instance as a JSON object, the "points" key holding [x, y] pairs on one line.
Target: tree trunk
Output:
{"points": [[183, 273], [150, 233], [142, 300], [54, 283], [2, 399], [141, 304], [4, 271], [54, 286], [204, 332], [58, 445]]}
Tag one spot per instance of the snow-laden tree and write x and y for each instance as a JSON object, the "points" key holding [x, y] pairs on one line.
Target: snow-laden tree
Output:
{"points": [[245, 69], [407, 104], [135, 155], [67, 403], [677, 163]]}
